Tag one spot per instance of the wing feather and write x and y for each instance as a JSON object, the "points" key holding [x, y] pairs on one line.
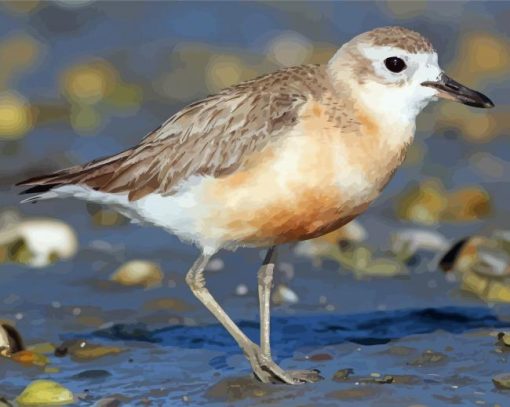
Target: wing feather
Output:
{"points": [[209, 137]]}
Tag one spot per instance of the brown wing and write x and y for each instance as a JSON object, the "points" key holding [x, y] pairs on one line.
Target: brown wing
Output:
{"points": [[209, 137]]}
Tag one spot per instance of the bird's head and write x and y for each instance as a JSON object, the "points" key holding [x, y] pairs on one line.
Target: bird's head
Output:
{"points": [[395, 71]]}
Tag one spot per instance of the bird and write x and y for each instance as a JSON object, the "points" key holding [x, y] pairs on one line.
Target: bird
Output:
{"points": [[285, 157]]}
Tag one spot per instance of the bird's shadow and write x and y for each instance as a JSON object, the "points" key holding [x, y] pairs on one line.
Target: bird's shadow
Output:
{"points": [[292, 332]]}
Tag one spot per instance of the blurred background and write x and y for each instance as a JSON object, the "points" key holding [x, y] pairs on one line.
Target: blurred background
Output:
{"points": [[414, 290]]}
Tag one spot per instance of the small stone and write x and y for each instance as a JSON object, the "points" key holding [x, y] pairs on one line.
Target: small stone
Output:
{"points": [[320, 357], [40, 242], [44, 348], [385, 379], [468, 204], [235, 389], [429, 358], [215, 264], [406, 379], [84, 350], [504, 339], [342, 375], [45, 392], [423, 203], [407, 242], [27, 357], [502, 381], [138, 273], [241, 289], [284, 295]]}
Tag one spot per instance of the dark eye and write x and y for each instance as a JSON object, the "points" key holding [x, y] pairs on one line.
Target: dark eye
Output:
{"points": [[395, 64]]}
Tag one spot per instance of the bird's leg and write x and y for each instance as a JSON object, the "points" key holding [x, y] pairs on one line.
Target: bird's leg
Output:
{"points": [[265, 283], [195, 280], [264, 368]]}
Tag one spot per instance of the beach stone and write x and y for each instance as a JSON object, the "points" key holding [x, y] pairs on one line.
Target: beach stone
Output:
{"points": [[138, 273], [241, 289], [234, 389], [28, 357], [43, 347], [380, 380], [502, 381], [284, 295], [504, 340], [45, 393], [320, 357], [39, 242], [429, 358], [406, 379], [342, 375], [83, 350]]}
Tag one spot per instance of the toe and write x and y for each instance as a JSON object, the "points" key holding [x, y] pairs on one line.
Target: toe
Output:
{"points": [[305, 376]]}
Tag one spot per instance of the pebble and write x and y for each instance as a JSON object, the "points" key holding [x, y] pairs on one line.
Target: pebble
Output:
{"points": [[46, 393], [215, 264], [504, 340], [138, 273], [284, 295], [30, 358], [39, 242], [412, 240], [83, 350], [320, 357], [234, 389], [241, 289], [342, 374], [429, 358], [502, 381]]}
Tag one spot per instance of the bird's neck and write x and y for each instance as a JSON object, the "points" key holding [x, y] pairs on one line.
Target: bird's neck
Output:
{"points": [[395, 117]]}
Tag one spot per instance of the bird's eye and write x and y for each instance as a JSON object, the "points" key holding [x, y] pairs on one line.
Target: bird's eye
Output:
{"points": [[395, 64]]}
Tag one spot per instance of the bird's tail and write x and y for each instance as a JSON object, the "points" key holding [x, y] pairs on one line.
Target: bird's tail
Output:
{"points": [[90, 175]]}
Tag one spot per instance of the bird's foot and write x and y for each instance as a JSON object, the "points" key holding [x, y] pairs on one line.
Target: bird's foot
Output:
{"points": [[267, 371]]}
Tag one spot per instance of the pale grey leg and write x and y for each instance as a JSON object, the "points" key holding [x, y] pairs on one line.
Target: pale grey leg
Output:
{"points": [[196, 281], [265, 282], [260, 359], [271, 371]]}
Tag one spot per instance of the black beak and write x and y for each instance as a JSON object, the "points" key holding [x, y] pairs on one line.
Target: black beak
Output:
{"points": [[450, 89]]}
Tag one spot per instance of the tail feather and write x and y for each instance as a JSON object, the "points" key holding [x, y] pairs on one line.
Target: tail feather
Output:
{"points": [[91, 174]]}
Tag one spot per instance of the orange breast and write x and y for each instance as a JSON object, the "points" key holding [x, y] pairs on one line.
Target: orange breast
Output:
{"points": [[292, 190]]}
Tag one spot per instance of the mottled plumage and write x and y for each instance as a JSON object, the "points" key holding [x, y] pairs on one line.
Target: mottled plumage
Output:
{"points": [[214, 136]]}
